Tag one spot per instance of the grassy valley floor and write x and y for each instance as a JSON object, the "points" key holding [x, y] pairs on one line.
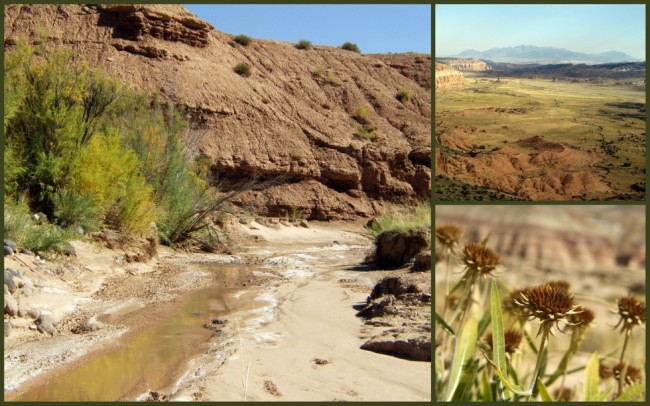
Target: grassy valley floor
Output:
{"points": [[539, 139]]}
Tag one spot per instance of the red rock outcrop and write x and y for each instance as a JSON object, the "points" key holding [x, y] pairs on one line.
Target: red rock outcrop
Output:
{"points": [[292, 118], [447, 78]]}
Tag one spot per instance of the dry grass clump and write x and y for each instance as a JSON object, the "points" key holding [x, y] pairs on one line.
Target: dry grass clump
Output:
{"points": [[402, 219]]}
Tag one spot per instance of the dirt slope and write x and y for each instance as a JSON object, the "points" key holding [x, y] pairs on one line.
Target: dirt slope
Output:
{"points": [[292, 117]]}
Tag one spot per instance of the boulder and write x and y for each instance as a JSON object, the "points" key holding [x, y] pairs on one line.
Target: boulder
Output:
{"points": [[10, 244], [411, 348], [392, 285], [11, 306], [10, 282], [422, 262], [379, 308], [396, 248], [45, 323], [26, 286]]}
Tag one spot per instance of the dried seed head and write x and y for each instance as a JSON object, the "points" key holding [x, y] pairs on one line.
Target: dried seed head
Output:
{"points": [[560, 284], [437, 255], [453, 300], [508, 303], [604, 372], [631, 312], [582, 318], [512, 340], [480, 259], [548, 303], [448, 236], [563, 394], [632, 374]]}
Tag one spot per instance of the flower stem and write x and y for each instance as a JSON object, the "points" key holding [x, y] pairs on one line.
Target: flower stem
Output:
{"points": [[444, 314], [627, 336], [540, 354], [621, 377]]}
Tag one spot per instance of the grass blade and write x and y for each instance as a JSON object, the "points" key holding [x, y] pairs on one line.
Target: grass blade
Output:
{"points": [[509, 385], [467, 382], [498, 338], [591, 379], [604, 394], [446, 327], [529, 340], [463, 353], [631, 393], [486, 389], [543, 392], [484, 323]]}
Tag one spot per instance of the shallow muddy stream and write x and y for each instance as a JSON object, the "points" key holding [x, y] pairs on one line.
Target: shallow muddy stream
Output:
{"points": [[155, 357]]}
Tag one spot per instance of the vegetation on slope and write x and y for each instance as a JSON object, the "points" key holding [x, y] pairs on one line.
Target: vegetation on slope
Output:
{"points": [[84, 151]]}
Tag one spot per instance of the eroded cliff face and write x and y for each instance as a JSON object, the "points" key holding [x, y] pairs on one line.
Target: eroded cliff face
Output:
{"points": [[292, 118], [447, 78], [466, 64]]}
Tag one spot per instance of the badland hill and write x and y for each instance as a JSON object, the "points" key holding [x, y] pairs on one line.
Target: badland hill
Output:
{"points": [[329, 123]]}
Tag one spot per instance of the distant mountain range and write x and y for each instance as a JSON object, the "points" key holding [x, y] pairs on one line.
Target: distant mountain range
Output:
{"points": [[545, 55]]}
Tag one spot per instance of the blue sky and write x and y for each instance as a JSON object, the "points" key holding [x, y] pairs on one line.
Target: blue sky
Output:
{"points": [[374, 28], [581, 28]]}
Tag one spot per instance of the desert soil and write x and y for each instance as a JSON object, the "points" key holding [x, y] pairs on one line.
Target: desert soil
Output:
{"points": [[280, 325]]}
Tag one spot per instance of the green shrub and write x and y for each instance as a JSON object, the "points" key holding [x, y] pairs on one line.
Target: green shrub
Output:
{"points": [[349, 46], [361, 115], [109, 172], [243, 70], [405, 94], [76, 209], [61, 104], [83, 150], [14, 169], [304, 44], [366, 134], [243, 40]]}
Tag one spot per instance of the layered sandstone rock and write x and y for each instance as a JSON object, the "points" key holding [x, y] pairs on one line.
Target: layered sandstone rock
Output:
{"points": [[447, 77], [290, 120], [466, 64], [557, 238]]}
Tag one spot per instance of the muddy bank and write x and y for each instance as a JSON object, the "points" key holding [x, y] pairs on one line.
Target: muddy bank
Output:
{"points": [[286, 301]]}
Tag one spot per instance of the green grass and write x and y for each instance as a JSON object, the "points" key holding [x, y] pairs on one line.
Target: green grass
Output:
{"points": [[448, 189], [402, 219], [28, 233]]}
